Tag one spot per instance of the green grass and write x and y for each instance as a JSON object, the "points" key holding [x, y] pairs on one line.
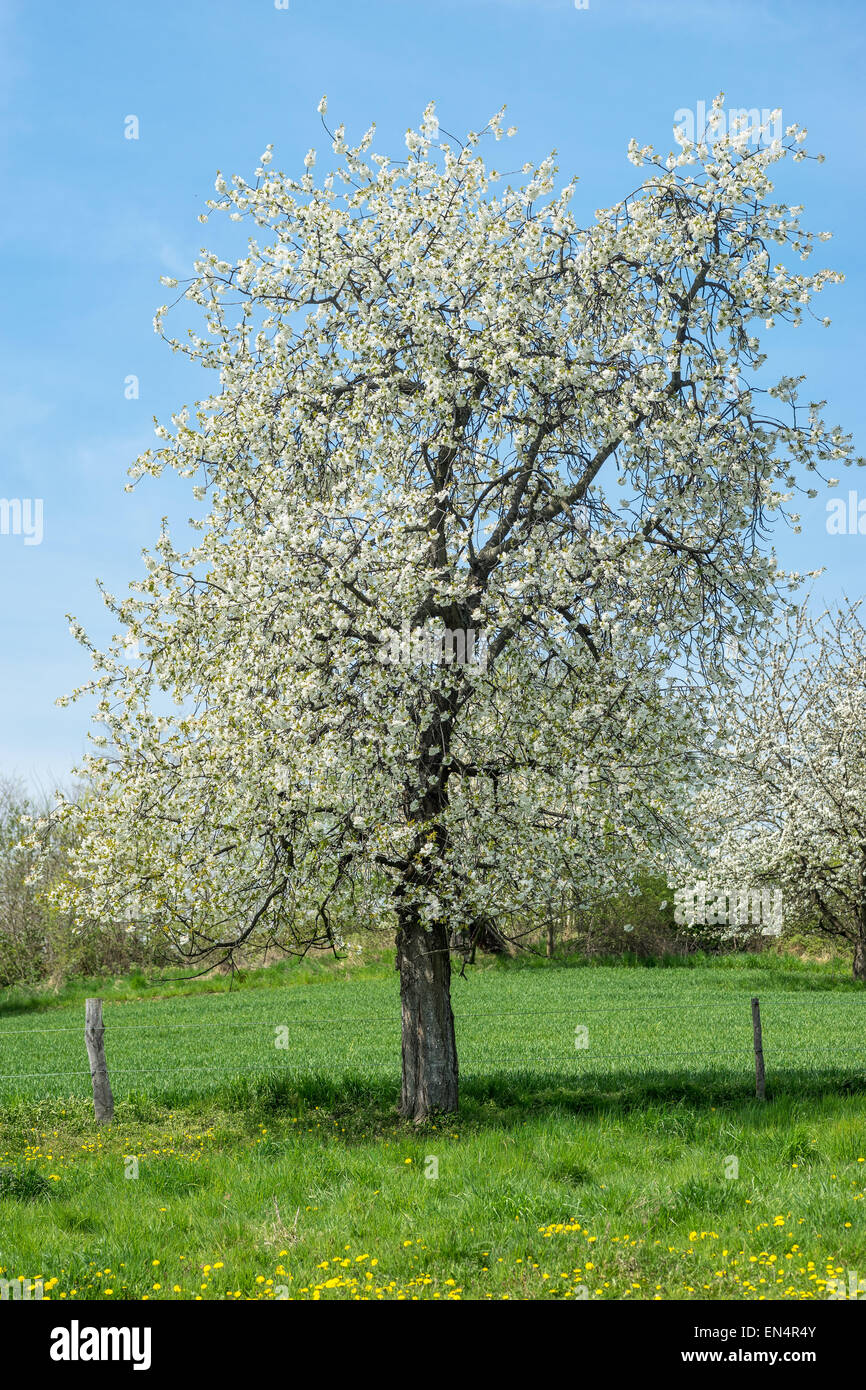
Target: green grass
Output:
{"points": [[268, 1172]]}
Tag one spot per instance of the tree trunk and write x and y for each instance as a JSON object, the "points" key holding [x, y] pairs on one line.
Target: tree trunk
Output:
{"points": [[860, 957], [429, 1046]]}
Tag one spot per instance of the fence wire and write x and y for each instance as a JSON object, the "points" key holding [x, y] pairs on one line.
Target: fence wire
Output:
{"points": [[593, 1059]]}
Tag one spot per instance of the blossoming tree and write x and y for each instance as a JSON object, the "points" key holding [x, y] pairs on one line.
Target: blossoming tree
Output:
{"points": [[788, 804], [441, 405]]}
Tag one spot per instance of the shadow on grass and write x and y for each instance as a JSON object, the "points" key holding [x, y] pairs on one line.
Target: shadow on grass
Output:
{"points": [[508, 1099], [675, 1105]]}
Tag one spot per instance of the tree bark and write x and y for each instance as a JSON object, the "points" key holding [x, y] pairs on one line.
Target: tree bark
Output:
{"points": [[860, 957], [430, 1078]]}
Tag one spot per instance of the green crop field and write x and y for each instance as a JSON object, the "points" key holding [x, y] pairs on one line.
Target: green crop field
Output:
{"points": [[609, 1143]]}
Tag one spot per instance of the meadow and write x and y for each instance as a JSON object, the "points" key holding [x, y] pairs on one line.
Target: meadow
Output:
{"points": [[609, 1144]]}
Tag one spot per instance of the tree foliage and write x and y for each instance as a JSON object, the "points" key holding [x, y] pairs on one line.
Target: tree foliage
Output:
{"points": [[788, 803]]}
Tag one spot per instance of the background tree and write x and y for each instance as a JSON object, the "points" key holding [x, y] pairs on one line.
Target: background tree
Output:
{"points": [[23, 919], [788, 804], [442, 406], [39, 940]]}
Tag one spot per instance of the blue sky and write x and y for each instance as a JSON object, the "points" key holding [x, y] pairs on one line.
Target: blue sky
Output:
{"points": [[91, 220]]}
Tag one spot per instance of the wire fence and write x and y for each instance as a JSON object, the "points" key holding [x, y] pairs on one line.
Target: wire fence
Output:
{"points": [[606, 1035]]}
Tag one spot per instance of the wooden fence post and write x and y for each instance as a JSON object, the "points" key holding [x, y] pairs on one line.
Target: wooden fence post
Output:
{"points": [[103, 1100], [760, 1089]]}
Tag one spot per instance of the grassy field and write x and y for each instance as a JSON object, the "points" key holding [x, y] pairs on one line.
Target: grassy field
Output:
{"points": [[608, 1146]]}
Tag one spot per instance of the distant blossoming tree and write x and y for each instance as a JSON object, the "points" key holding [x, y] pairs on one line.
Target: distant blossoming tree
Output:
{"points": [[788, 804], [443, 406]]}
